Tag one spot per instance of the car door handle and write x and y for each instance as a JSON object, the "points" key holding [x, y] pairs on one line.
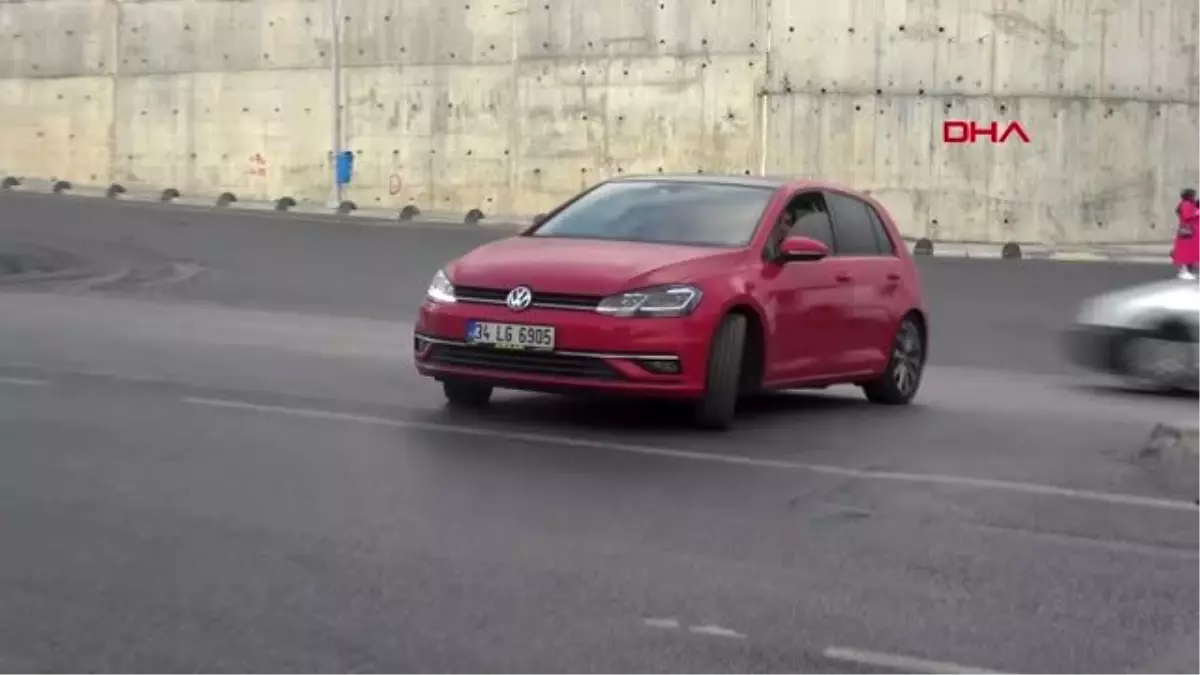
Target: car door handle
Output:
{"points": [[843, 277], [893, 277]]}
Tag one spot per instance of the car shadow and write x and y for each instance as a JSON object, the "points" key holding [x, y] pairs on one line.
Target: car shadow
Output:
{"points": [[1118, 390], [573, 414]]}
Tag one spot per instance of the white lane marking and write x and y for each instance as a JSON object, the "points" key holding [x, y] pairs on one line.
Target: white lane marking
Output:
{"points": [[1157, 550], [23, 381], [740, 460], [710, 630], [717, 631], [906, 664]]}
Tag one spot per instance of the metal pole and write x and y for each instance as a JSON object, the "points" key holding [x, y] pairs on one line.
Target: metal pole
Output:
{"points": [[335, 21]]}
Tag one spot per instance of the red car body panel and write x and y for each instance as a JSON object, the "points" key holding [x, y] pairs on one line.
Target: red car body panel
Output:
{"points": [[821, 322]]}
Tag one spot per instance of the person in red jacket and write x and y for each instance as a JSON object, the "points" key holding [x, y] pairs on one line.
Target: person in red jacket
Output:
{"points": [[1186, 253]]}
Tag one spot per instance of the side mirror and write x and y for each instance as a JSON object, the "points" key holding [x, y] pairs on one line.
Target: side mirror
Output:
{"points": [[797, 249]]}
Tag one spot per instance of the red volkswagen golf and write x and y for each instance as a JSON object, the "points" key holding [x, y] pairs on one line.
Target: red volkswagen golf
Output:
{"points": [[693, 287]]}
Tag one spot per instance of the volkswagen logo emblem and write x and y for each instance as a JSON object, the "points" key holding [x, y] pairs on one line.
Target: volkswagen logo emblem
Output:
{"points": [[519, 298]]}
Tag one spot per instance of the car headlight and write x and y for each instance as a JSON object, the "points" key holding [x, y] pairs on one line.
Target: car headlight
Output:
{"points": [[663, 301], [440, 289]]}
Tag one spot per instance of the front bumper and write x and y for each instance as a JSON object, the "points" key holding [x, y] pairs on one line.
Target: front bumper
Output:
{"points": [[1097, 347], [652, 357]]}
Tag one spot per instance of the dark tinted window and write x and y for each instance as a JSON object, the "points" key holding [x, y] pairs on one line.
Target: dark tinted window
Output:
{"points": [[665, 212], [804, 216], [852, 226], [885, 242], [812, 219]]}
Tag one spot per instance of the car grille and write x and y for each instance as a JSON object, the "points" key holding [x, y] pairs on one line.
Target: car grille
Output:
{"points": [[526, 363], [497, 296]]}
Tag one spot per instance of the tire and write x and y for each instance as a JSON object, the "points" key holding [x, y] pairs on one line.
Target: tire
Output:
{"points": [[899, 382], [718, 407], [460, 394], [1164, 358]]}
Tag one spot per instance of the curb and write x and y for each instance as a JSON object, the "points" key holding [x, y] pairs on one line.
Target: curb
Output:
{"points": [[285, 206], [282, 207], [1152, 254]]}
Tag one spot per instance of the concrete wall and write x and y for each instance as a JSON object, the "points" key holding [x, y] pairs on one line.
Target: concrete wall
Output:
{"points": [[512, 105]]}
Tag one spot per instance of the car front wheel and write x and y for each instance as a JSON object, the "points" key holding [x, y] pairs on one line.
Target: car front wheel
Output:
{"points": [[1165, 358], [461, 394], [899, 382], [717, 408]]}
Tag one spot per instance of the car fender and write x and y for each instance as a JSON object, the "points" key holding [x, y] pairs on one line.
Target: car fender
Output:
{"points": [[1153, 320], [741, 295]]}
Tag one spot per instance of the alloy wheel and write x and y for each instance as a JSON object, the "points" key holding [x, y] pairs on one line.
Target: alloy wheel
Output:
{"points": [[907, 358]]}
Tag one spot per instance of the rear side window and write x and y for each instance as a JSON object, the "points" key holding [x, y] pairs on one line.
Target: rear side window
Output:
{"points": [[881, 235], [858, 229]]}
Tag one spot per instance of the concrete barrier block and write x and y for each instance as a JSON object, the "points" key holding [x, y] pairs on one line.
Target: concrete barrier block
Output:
{"points": [[1011, 251], [924, 246], [285, 204], [61, 187], [347, 207], [169, 195], [409, 212], [9, 182], [114, 191], [473, 217], [226, 198]]}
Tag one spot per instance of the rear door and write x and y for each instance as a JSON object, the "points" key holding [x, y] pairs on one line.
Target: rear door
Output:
{"points": [[870, 260]]}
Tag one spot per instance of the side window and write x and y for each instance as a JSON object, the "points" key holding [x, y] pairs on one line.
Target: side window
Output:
{"points": [[856, 234], [812, 218], [886, 247], [806, 215]]}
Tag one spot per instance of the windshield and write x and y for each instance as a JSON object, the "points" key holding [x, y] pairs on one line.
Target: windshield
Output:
{"points": [[664, 212]]}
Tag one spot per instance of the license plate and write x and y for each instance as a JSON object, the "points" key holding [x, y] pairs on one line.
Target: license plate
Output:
{"points": [[510, 335]]}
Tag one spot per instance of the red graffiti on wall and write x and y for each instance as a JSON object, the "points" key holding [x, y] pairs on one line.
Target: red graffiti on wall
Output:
{"points": [[258, 165], [394, 184]]}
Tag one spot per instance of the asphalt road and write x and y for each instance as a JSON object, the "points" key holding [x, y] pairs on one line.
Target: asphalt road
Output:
{"points": [[214, 456]]}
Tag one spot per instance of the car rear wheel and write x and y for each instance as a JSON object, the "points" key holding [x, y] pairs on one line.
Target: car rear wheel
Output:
{"points": [[1164, 358], [717, 408], [899, 382], [460, 394]]}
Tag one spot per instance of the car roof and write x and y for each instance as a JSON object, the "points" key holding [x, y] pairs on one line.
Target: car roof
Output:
{"points": [[770, 182]]}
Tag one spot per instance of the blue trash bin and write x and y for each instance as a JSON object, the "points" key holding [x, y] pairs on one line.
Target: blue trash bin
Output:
{"points": [[345, 167]]}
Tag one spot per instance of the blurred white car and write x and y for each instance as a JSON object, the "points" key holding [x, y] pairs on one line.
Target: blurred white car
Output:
{"points": [[1146, 334]]}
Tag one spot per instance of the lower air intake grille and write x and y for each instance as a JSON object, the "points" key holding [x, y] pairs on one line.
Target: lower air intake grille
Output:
{"points": [[526, 363]]}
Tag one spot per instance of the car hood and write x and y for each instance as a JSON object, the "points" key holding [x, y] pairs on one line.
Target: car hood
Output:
{"points": [[583, 266], [1125, 307]]}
